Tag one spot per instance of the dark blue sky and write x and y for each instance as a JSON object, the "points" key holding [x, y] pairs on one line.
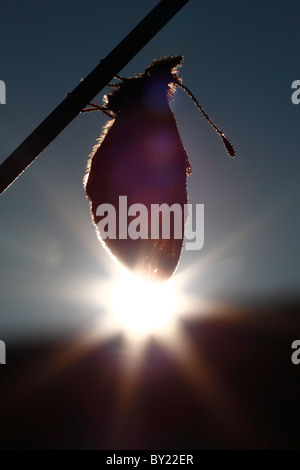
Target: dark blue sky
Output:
{"points": [[240, 61]]}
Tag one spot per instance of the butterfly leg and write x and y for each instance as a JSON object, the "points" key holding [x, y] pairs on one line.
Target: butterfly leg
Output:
{"points": [[96, 107]]}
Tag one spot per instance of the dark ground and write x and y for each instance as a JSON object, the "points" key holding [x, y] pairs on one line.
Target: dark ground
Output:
{"points": [[241, 390]]}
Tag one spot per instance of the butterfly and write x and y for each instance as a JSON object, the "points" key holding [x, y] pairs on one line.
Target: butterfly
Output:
{"points": [[140, 160]]}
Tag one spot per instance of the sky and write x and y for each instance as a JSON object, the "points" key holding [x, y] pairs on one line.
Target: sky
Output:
{"points": [[240, 59]]}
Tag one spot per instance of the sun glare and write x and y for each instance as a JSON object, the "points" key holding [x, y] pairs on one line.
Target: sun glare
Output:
{"points": [[142, 306]]}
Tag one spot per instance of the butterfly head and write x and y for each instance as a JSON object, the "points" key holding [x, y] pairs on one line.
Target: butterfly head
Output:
{"points": [[154, 87]]}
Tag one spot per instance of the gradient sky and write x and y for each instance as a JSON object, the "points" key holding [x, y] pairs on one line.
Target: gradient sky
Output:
{"points": [[240, 61]]}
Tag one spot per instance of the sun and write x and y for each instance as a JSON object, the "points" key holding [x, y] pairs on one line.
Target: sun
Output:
{"points": [[141, 306]]}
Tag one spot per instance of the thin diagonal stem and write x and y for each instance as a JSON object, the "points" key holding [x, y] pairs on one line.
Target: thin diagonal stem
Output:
{"points": [[71, 106]]}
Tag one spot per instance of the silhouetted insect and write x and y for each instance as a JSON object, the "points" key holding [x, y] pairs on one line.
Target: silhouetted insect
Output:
{"points": [[140, 155]]}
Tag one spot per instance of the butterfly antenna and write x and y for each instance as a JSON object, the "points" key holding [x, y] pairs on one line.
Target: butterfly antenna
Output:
{"points": [[229, 147]]}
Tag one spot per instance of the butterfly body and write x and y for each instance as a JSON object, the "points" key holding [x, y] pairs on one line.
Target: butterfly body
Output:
{"points": [[142, 157]]}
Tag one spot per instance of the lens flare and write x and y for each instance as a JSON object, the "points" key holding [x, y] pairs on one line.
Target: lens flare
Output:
{"points": [[142, 306]]}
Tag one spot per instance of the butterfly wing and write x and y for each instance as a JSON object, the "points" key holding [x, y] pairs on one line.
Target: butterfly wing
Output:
{"points": [[141, 157]]}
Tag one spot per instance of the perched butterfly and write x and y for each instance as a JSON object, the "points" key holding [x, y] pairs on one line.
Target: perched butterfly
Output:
{"points": [[140, 160]]}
